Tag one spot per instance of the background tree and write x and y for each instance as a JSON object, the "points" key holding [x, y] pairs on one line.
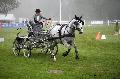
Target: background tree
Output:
{"points": [[8, 5]]}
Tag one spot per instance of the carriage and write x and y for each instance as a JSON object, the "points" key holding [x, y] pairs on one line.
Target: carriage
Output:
{"points": [[48, 41], [37, 38]]}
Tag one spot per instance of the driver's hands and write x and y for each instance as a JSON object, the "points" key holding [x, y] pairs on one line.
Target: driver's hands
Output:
{"points": [[49, 19]]}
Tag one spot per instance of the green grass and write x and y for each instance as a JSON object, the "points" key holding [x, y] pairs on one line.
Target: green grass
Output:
{"points": [[98, 59]]}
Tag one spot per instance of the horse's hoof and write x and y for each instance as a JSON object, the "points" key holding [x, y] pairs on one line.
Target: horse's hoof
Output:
{"points": [[77, 58], [54, 58], [64, 54]]}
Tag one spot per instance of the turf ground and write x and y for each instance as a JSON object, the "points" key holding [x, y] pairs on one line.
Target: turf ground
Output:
{"points": [[98, 59]]}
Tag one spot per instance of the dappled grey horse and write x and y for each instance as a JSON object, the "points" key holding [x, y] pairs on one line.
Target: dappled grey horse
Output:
{"points": [[65, 34]]}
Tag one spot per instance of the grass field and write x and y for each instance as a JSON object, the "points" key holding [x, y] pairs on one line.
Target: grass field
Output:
{"points": [[98, 59]]}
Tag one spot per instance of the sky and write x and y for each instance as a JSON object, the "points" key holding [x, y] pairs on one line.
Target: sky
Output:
{"points": [[89, 9]]}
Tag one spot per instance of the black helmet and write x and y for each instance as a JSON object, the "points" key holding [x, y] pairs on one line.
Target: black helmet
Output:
{"points": [[38, 10]]}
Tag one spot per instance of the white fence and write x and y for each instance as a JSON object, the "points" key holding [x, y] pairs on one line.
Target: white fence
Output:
{"points": [[102, 22], [90, 23], [93, 22], [97, 22]]}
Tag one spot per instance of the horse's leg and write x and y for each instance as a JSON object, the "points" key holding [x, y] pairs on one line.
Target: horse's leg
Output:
{"points": [[52, 52], [53, 55], [66, 52], [69, 48], [76, 51]]}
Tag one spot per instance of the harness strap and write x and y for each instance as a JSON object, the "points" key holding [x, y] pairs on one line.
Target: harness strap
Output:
{"points": [[62, 36], [59, 31]]}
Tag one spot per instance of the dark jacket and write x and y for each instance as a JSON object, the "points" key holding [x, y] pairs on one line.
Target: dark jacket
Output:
{"points": [[38, 18]]}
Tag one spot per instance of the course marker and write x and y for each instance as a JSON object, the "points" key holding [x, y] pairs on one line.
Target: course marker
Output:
{"points": [[1, 39], [103, 37], [98, 36]]}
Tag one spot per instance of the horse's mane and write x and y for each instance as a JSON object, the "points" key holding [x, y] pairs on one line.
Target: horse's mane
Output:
{"points": [[71, 20]]}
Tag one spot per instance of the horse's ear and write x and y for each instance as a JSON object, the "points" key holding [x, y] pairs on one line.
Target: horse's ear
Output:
{"points": [[75, 16], [80, 17]]}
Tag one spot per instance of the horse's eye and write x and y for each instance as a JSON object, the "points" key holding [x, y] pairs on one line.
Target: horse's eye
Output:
{"points": [[78, 21]]}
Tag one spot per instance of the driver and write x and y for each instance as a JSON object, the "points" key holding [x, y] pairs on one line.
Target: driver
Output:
{"points": [[37, 18]]}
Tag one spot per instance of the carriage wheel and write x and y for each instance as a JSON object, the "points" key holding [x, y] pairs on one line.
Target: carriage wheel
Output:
{"points": [[16, 48], [44, 49], [27, 53], [27, 49]]}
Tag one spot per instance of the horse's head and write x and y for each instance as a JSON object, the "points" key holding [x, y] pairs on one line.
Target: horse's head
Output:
{"points": [[77, 23]]}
